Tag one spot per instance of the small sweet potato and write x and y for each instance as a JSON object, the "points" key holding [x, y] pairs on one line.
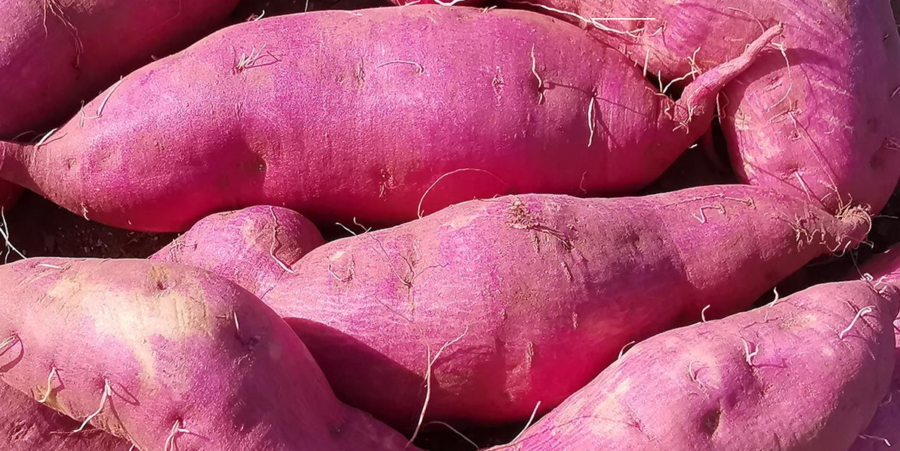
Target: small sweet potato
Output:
{"points": [[169, 357], [254, 247], [26, 425], [382, 124], [804, 373], [488, 300]]}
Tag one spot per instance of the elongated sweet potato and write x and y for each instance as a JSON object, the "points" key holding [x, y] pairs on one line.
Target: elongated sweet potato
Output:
{"points": [[365, 124], [503, 295], [57, 53], [26, 425], [169, 357], [883, 433], [254, 247], [806, 373], [813, 120]]}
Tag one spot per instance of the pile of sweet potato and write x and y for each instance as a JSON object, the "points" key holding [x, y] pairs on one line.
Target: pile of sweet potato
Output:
{"points": [[552, 225]]}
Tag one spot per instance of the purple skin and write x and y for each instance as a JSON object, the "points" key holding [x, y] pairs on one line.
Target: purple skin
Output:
{"points": [[883, 433], [826, 130], [799, 383], [164, 339], [532, 277], [255, 247], [26, 425], [343, 115], [56, 53]]}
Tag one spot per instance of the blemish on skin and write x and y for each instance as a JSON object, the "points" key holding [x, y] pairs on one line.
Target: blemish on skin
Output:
{"points": [[336, 256]]}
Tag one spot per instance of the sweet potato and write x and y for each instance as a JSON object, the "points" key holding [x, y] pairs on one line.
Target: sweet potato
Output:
{"points": [[58, 53], [365, 124], [508, 289], [26, 425], [883, 432], [169, 357], [805, 373], [812, 120], [253, 247]]}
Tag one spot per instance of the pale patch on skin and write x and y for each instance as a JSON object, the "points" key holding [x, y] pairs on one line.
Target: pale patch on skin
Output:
{"points": [[174, 316], [336, 256], [459, 222]]}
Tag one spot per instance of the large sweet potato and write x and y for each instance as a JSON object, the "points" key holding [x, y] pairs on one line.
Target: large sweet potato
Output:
{"points": [[517, 287], [339, 125], [169, 357], [820, 120], [806, 373], [26, 425]]}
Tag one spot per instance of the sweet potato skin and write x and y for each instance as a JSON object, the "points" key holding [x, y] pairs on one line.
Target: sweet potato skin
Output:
{"points": [[55, 54], [254, 247], [526, 279], [392, 102], [176, 347], [25, 425], [738, 383]]}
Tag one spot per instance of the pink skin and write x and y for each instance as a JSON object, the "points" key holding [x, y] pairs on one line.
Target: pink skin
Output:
{"points": [[528, 279], [884, 269], [164, 338], [47, 72], [826, 130], [26, 425], [254, 247], [805, 388], [360, 124]]}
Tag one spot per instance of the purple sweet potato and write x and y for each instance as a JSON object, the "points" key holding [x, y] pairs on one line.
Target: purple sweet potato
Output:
{"points": [[254, 247], [884, 431], [805, 373], [511, 287], [820, 120], [26, 425], [365, 124], [56, 53], [169, 357]]}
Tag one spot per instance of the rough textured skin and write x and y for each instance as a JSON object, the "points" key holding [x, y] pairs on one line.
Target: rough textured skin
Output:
{"points": [[254, 247], [26, 425], [163, 339], [528, 279], [803, 386], [56, 53], [826, 129], [883, 433], [340, 125]]}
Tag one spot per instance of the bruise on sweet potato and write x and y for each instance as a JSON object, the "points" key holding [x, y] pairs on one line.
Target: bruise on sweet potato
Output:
{"points": [[804, 373], [417, 108]]}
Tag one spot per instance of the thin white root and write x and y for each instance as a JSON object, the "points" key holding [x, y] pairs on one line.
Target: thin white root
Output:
{"points": [[47, 265], [44, 139], [419, 210], [275, 241], [646, 61], [691, 371], [862, 312], [591, 121], [4, 233], [749, 355], [106, 99], [538, 77], [703, 313], [106, 392], [8, 343], [419, 68], [530, 419], [872, 437], [777, 297], [249, 61], [428, 372], [622, 351], [683, 77], [237, 324], [49, 386], [173, 435], [459, 434], [781, 48]]}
